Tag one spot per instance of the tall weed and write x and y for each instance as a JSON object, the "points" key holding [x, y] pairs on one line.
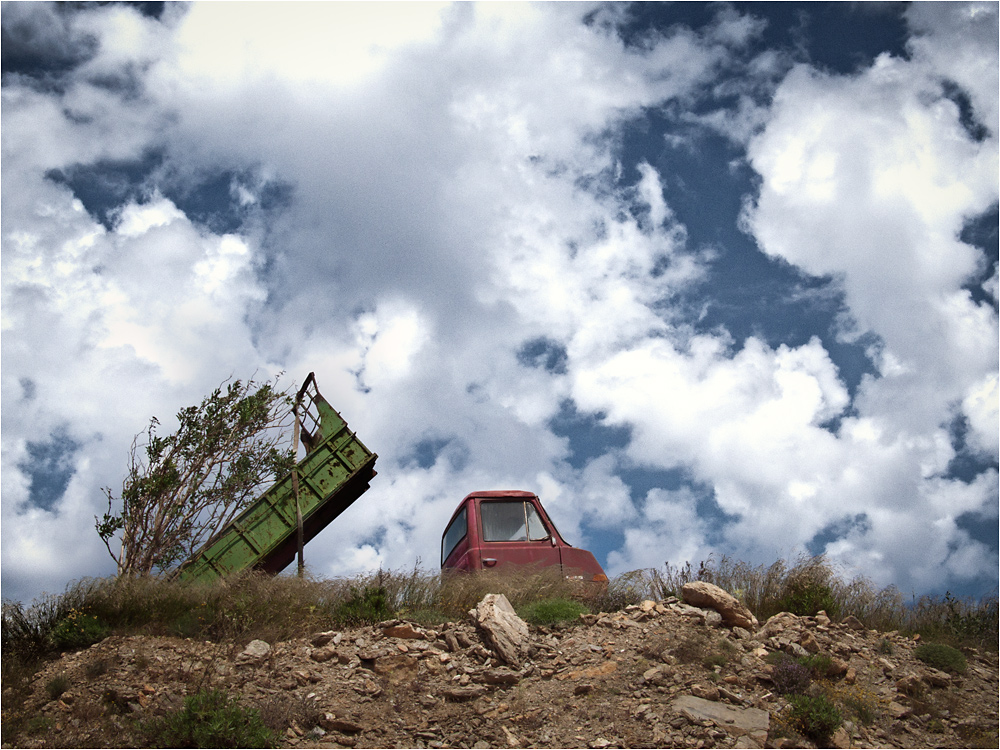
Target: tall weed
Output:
{"points": [[813, 583]]}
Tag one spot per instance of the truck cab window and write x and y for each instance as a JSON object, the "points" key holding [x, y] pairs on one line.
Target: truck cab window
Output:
{"points": [[511, 522], [455, 533], [536, 529]]}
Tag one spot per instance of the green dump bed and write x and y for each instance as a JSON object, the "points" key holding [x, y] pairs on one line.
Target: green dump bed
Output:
{"points": [[336, 471]]}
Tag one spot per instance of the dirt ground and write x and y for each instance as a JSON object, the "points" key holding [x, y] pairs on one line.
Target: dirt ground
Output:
{"points": [[634, 678]]}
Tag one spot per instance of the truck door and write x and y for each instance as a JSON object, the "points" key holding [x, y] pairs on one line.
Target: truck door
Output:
{"points": [[455, 544], [513, 533]]}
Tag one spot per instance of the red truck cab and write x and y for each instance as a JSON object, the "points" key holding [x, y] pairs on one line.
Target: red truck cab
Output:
{"points": [[510, 527]]}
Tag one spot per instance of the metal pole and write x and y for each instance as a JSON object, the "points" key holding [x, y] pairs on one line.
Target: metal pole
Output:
{"points": [[295, 489]]}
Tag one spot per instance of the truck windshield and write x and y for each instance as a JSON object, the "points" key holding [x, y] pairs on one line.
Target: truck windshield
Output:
{"points": [[512, 521], [455, 533]]}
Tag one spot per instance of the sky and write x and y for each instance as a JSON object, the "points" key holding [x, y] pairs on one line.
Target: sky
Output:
{"points": [[711, 279]]}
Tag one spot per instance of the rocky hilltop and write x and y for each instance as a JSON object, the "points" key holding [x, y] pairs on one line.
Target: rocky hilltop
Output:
{"points": [[698, 672]]}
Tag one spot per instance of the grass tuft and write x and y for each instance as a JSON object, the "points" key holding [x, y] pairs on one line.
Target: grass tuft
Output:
{"points": [[57, 686], [551, 611]]}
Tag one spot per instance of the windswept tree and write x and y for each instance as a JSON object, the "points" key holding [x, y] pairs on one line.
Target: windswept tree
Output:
{"points": [[184, 488]]}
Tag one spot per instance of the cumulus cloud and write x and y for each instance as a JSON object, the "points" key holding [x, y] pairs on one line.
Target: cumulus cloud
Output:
{"points": [[870, 178], [103, 329], [416, 199]]}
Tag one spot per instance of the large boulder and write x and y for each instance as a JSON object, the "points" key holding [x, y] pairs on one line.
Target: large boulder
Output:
{"points": [[505, 632], [710, 596], [752, 722]]}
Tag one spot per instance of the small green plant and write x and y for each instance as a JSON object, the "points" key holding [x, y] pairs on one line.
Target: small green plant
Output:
{"points": [[724, 651], [817, 717], [818, 664], [77, 630], [942, 657], [427, 616], [365, 606], [57, 686], [885, 647], [211, 719], [551, 611]]}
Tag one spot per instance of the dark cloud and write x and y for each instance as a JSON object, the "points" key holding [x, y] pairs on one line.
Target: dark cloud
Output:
{"points": [[39, 41]]}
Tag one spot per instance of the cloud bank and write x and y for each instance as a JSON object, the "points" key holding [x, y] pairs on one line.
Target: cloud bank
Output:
{"points": [[436, 211]]}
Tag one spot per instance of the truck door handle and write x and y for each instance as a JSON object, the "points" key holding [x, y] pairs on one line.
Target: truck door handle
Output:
{"points": [[489, 562]]}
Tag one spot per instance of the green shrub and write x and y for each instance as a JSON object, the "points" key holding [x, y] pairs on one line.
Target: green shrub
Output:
{"points": [[806, 596], [940, 656], [365, 606], [551, 611], [818, 664], [817, 717], [77, 630], [211, 719]]}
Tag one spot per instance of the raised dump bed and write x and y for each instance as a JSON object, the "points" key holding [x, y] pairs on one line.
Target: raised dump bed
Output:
{"points": [[336, 471]]}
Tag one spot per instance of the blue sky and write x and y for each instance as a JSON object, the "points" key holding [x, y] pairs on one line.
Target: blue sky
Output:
{"points": [[711, 279]]}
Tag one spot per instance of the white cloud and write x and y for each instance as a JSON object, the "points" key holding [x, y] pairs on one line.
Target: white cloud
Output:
{"points": [[670, 531], [452, 191], [340, 44], [870, 178], [958, 42], [102, 330]]}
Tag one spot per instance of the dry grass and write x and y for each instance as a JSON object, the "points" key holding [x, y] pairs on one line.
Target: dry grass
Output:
{"points": [[813, 582], [460, 592], [278, 608]]}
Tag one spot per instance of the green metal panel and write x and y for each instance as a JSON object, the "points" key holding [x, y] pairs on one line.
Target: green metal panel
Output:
{"points": [[331, 477]]}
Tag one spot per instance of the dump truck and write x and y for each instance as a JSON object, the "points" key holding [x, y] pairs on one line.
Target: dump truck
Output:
{"points": [[266, 536], [496, 528]]}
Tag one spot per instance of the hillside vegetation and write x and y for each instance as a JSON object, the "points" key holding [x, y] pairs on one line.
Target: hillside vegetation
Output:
{"points": [[277, 609]]}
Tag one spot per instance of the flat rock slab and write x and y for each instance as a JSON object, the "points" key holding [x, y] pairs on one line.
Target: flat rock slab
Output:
{"points": [[506, 633], [737, 721]]}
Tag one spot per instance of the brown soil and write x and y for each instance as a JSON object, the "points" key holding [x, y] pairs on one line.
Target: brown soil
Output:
{"points": [[607, 681]]}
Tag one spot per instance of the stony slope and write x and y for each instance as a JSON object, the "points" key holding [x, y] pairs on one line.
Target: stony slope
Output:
{"points": [[661, 674]]}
